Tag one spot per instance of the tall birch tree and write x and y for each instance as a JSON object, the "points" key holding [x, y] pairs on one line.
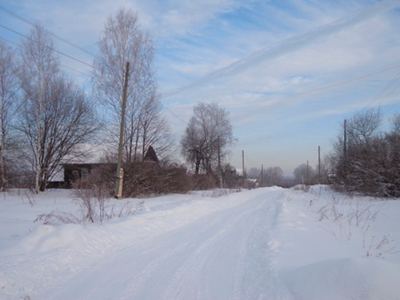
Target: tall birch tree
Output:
{"points": [[9, 86], [56, 115], [68, 119], [122, 41], [39, 64]]}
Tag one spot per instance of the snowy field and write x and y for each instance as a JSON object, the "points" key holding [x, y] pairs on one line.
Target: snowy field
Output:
{"points": [[269, 243]]}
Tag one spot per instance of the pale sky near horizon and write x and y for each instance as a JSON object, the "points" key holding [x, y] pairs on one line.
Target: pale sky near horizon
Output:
{"points": [[289, 72]]}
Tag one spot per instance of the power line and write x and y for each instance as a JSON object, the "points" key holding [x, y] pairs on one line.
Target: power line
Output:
{"points": [[397, 102], [387, 87], [8, 41], [84, 74], [49, 32], [67, 42], [62, 53], [385, 92], [175, 115], [165, 107], [72, 69], [380, 94], [330, 86], [315, 90], [391, 85]]}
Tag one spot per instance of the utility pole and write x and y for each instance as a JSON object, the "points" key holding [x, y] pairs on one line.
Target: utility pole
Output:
{"points": [[307, 174], [345, 147], [262, 175], [219, 165], [120, 173], [319, 164], [244, 172]]}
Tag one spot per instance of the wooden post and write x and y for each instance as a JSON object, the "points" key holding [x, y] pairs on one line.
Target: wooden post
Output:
{"points": [[121, 180]]}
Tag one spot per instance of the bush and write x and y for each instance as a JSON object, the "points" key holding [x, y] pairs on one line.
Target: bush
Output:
{"points": [[176, 180], [92, 197], [92, 201], [149, 178], [203, 182]]}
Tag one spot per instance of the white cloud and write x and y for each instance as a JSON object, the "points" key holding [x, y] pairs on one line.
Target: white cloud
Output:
{"points": [[251, 56], [293, 44]]}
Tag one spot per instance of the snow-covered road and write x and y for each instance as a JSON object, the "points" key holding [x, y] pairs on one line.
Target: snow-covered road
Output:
{"points": [[259, 244], [222, 255]]}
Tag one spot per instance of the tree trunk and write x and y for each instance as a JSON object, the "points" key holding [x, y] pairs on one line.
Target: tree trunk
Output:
{"points": [[3, 131]]}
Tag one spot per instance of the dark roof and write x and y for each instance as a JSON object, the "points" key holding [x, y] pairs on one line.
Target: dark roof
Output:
{"points": [[151, 155]]}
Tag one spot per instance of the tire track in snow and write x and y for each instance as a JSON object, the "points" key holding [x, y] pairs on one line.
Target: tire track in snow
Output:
{"points": [[224, 255]]}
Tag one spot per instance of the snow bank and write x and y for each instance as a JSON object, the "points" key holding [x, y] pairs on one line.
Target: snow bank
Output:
{"points": [[47, 238], [352, 278]]}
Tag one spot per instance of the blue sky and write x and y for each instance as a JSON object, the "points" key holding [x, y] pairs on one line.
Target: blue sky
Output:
{"points": [[289, 72]]}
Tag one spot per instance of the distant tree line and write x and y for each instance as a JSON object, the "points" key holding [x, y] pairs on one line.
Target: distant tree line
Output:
{"points": [[267, 177], [364, 159]]}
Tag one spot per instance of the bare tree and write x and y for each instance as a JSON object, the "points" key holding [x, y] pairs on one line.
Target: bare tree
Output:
{"points": [[327, 168], [154, 128], [123, 41], [304, 174], [9, 86], [395, 120], [253, 173], [193, 144], [362, 126], [273, 176], [40, 65], [207, 137], [67, 119]]}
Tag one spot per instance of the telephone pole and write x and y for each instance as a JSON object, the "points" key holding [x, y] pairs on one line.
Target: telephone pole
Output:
{"points": [[219, 165], [319, 164], [120, 173], [262, 175], [345, 147], [244, 172]]}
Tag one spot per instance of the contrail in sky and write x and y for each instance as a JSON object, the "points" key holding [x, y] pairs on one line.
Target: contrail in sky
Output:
{"points": [[290, 45]]}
